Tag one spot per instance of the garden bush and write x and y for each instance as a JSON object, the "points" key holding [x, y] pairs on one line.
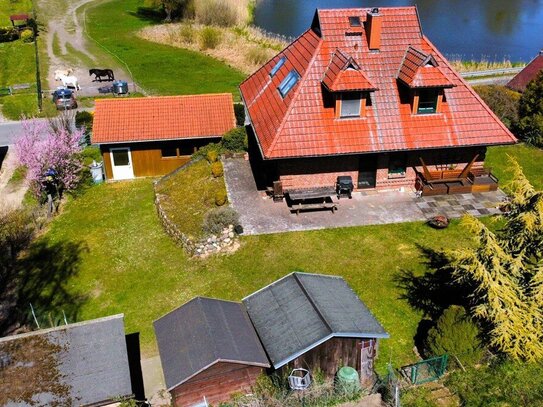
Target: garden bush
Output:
{"points": [[218, 219], [8, 34], [212, 156], [220, 198], [27, 35], [235, 140], [215, 12], [209, 38], [530, 126], [455, 334], [502, 101], [216, 169], [239, 112]]}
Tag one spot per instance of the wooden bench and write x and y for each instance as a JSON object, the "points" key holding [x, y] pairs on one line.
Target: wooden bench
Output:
{"points": [[311, 198]]}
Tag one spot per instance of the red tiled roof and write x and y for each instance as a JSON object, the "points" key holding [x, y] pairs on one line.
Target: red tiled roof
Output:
{"points": [[162, 118], [530, 71], [19, 17], [419, 70], [343, 74], [304, 123]]}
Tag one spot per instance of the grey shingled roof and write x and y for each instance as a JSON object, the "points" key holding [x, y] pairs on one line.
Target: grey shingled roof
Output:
{"points": [[202, 332], [91, 359], [300, 311]]}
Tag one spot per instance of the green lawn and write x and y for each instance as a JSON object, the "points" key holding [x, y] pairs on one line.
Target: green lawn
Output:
{"points": [[128, 264], [157, 68], [9, 7], [530, 158]]}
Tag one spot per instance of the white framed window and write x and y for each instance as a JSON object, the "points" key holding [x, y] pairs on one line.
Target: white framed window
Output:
{"points": [[350, 104]]}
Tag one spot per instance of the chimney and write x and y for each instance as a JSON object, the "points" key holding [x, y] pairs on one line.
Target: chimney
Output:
{"points": [[373, 29]]}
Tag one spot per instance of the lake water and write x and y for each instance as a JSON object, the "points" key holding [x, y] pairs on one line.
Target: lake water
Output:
{"points": [[467, 29]]}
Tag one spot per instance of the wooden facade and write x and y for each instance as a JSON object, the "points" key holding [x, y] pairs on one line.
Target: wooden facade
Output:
{"points": [[335, 353], [156, 158], [217, 384]]}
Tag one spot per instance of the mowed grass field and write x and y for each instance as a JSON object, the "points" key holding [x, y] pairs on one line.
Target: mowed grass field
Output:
{"points": [[127, 264], [159, 69]]}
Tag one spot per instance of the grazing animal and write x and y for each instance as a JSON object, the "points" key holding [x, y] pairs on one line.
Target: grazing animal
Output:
{"points": [[69, 81], [100, 73], [63, 72]]}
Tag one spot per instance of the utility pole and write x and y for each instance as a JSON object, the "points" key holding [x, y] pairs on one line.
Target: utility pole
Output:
{"points": [[38, 78]]}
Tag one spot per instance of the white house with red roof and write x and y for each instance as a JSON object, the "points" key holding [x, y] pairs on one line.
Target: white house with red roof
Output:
{"points": [[364, 93], [151, 136]]}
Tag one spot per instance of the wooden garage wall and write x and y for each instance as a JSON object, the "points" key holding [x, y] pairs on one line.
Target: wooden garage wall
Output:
{"points": [[217, 384], [147, 160]]}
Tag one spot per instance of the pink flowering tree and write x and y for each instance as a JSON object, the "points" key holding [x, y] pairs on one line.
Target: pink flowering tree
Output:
{"points": [[42, 148]]}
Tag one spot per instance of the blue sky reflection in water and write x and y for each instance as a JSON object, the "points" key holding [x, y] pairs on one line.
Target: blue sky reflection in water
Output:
{"points": [[489, 29]]}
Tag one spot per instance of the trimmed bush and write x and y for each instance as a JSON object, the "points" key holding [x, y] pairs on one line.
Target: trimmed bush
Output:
{"points": [[8, 34], [212, 156], [27, 35], [218, 219], [216, 169], [235, 140], [209, 38], [456, 334], [220, 198]]}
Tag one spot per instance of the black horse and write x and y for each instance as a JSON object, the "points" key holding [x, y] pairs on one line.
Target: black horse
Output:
{"points": [[101, 73]]}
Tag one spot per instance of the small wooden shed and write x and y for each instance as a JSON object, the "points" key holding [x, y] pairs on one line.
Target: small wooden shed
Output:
{"points": [[209, 350], [315, 322], [152, 136]]}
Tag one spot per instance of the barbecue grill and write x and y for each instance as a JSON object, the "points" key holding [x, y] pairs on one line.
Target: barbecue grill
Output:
{"points": [[344, 185]]}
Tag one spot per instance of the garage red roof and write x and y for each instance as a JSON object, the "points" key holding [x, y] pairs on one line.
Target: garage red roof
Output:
{"points": [[530, 71], [162, 118], [304, 122]]}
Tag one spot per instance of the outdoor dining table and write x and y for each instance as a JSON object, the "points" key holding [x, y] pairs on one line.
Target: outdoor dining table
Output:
{"points": [[312, 198]]}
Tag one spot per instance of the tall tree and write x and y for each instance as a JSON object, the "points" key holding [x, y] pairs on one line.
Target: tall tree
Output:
{"points": [[506, 269], [530, 127]]}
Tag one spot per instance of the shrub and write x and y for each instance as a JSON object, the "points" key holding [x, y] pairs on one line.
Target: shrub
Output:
{"points": [[530, 127], [257, 55], [212, 156], [90, 154], [218, 219], [216, 169], [8, 34], [220, 198], [235, 140], [239, 112], [454, 333], [215, 12], [83, 120], [502, 101], [27, 35], [187, 33], [209, 38]]}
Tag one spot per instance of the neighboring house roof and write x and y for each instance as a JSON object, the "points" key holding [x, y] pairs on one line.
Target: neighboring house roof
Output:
{"points": [[304, 122], [528, 74], [162, 118], [78, 364], [301, 311], [202, 332]]}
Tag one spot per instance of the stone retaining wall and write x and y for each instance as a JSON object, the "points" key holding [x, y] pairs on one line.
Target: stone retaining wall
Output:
{"points": [[226, 242]]}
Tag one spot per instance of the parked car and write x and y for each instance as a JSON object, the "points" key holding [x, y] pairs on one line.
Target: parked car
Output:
{"points": [[64, 99]]}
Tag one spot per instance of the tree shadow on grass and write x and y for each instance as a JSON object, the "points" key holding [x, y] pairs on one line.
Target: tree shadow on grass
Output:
{"points": [[149, 14], [432, 292], [42, 278]]}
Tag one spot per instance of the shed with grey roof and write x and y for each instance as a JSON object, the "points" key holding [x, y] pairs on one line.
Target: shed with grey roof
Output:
{"points": [[316, 321], [208, 348], [79, 364]]}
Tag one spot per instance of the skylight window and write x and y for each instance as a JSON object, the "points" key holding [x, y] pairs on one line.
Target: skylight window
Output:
{"points": [[354, 21], [278, 66], [288, 83]]}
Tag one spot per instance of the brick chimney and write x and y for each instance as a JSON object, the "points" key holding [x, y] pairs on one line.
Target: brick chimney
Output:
{"points": [[373, 29]]}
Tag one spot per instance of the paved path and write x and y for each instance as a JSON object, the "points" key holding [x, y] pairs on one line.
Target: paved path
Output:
{"points": [[260, 215], [8, 132]]}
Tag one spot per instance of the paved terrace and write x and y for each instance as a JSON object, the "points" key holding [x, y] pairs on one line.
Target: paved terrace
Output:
{"points": [[260, 215]]}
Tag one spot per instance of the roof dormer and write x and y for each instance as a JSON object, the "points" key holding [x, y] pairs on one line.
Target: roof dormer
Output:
{"points": [[419, 70], [344, 75]]}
